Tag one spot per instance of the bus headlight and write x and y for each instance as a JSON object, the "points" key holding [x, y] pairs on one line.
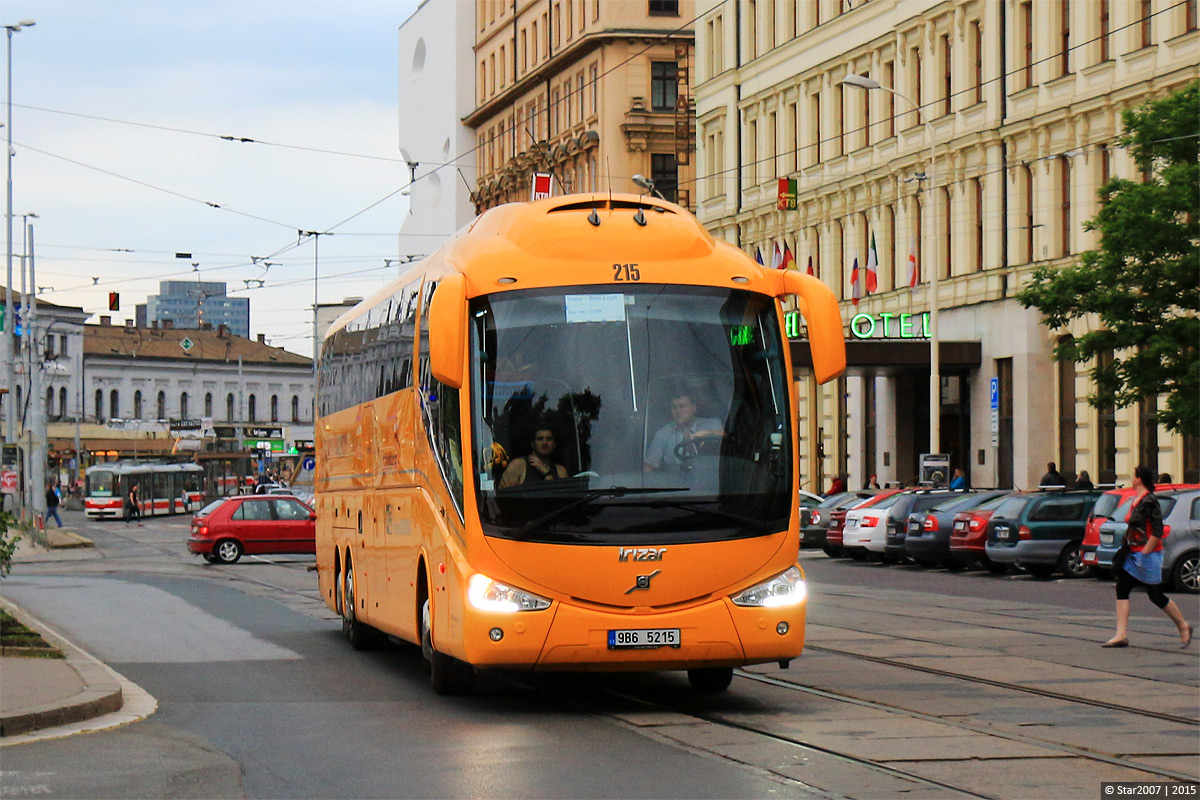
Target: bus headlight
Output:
{"points": [[486, 594], [785, 589]]}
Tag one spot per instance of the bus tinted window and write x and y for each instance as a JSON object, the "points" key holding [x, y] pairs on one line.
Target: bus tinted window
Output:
{"points": [[667, 408]]}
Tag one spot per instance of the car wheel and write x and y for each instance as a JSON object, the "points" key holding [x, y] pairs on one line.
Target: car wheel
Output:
{"points": [[1071, 562], [831, 551], [447, 675], [954, 565], [210, 558], [1185, 575], [996, 568], [857, 553], [357, 633], [710, 679], [1040, 571], [927, 563], [227, 551]]}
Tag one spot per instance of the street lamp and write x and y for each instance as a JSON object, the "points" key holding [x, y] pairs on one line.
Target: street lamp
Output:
{"points": [[9, 323], [935, 377]]}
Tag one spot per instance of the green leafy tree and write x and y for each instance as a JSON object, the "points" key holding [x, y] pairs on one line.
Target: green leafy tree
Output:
{"points": [[8, 542], [1143, 283]]}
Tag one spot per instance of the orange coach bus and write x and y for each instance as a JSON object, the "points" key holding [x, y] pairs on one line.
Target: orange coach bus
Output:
{"points": [[567, 441]]}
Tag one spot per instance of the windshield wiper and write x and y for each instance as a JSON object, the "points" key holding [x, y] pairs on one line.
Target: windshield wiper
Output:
{"points": [[758, 524], [587, 497]]}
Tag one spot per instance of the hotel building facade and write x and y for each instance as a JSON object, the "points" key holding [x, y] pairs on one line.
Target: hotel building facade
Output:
{"points": [[1020, 101]]}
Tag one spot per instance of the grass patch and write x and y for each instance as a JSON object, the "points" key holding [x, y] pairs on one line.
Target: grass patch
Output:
{"points": [[18, 640]]}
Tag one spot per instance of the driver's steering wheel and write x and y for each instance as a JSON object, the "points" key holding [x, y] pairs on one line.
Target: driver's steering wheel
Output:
{"points": [[704, 444]]}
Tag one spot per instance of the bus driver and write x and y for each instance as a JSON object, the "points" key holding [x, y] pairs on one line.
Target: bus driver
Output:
{"points": [[684, 427], [537, 466]]}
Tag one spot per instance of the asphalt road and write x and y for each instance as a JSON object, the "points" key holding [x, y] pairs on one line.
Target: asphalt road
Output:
{"points": [[915, 683]]}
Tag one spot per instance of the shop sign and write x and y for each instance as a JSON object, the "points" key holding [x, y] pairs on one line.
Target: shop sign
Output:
{"points": [[787, 194], [273, 445], [264, 433], [303, 444], [177, 425], [225, 431]]}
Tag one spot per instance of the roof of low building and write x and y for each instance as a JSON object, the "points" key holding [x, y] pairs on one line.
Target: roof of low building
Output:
{"points": [[183, 344], [41, 302]]}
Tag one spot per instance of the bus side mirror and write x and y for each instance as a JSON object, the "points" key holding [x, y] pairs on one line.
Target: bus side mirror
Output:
{"points": [[819, 308], [448, 330]]}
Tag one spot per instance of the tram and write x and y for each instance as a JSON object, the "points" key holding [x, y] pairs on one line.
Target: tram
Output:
{"points": [[163, 488], [567, 440]]}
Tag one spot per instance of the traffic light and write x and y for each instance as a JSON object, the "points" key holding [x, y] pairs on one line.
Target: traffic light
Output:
{"points": [[114, 301]]}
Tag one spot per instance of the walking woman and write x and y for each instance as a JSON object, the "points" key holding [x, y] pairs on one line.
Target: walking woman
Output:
{"points": [[1143, 565]]}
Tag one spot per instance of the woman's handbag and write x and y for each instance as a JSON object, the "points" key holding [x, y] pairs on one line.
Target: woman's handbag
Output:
{"points": [[1118, 559]]}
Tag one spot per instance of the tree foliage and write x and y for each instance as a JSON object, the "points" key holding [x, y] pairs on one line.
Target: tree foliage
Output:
{"points": [[1143, 283]]}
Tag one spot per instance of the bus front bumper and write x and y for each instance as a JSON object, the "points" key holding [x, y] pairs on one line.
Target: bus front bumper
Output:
{"points": [[717, 633]]}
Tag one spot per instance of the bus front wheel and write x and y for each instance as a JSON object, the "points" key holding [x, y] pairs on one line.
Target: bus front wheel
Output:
{"points": [[447, 675]]}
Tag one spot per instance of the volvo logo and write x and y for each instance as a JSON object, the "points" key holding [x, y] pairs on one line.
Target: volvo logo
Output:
{"points": [[641, 554], [643, 582]]}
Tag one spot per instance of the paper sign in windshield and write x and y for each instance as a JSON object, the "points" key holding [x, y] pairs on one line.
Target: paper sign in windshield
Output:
{"points": [[595, 308]]}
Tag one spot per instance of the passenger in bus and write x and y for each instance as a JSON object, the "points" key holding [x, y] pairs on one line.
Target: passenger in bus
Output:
{"points": [[683, 429], [539, 465]]}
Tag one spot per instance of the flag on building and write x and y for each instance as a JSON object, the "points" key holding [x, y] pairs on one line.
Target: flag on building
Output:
{"points": [[789, 261], [855, 283], [914, 274], [777, 258], [811, 271], [872, 267], [758, 256]]}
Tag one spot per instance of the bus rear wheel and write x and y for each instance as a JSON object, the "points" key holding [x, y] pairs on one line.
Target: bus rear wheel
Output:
{"points": [[710, 679], [357, 633], [447, 675]]}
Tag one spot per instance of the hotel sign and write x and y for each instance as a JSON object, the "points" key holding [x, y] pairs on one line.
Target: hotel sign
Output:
{"points": [[885, 325]]}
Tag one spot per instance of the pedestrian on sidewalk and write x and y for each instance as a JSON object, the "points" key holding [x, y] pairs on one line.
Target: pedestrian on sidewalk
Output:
{"points": [[1143, 565], [133, 506], [51, 506]]}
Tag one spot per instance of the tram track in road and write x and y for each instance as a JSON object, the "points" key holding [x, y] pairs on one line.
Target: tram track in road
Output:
{"points": [[1015, 687]]}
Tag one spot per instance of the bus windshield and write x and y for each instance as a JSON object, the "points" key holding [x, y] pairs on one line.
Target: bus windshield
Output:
{"points": [[101, 484], [603, 415]]}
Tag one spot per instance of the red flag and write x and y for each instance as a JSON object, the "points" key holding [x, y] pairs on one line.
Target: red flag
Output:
{"points": [[777, 258], [789, 261], [914, 274], [855, 283], [810, 266]]}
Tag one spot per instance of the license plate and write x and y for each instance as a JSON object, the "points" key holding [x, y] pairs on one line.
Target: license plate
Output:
{"points": [[1002, 534], [1088, 558], [1106, 538], [960, 526], [912, 526], [643, 638]]}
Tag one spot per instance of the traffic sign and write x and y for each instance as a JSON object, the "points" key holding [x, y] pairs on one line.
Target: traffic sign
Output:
{"points": [[187, 344], [309, 463], [8, 482]]}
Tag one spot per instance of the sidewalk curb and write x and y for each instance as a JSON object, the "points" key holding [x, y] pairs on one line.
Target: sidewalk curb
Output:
{"points": [[101, 694]]}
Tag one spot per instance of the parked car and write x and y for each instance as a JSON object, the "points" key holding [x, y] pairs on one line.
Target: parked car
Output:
{"points": [[1181, 544], [808, 501], [927, 539], [865, 534], [226, 529], [812, 532], [918, 501], [1041, 532], [1106, 505], [968, 536], [837, 521]]}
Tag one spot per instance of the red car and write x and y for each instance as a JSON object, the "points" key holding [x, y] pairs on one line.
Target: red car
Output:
{"points": [[837, 522], [968, 537], [252, 524]]}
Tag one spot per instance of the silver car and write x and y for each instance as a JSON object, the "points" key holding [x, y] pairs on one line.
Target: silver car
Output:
{"points": [[1181, 548]]}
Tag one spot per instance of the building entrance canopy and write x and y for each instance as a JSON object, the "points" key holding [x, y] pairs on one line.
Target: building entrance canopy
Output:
{"points": [[880, 356]]}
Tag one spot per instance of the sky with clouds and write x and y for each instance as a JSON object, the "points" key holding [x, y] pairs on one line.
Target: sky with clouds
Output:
{"points": [[119, 107]]}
